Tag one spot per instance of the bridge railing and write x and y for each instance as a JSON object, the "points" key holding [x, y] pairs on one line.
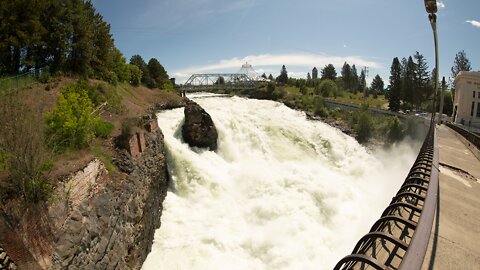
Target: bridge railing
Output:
{"points": [[399, 239], [470, 136]]}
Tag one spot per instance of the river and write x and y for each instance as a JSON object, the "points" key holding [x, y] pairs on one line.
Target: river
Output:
{"points": [[281, 192]]}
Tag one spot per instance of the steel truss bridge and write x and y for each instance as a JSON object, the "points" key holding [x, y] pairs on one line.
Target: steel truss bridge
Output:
{"points": [[217, 82]]}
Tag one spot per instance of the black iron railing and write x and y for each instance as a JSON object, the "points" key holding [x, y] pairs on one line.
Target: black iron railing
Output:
{"points": [[399, 239]]}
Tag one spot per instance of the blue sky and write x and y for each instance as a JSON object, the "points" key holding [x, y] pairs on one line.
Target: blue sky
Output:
{"points": [[193, 36]]}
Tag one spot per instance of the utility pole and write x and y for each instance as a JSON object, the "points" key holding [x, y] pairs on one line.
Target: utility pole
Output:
{"points": [[444, 85]]}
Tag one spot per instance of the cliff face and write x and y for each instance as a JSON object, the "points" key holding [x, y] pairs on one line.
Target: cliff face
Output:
{"points": [[112, 225]]}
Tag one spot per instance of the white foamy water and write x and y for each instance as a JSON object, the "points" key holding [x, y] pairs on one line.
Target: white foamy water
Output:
{"points": [[281, 192]]}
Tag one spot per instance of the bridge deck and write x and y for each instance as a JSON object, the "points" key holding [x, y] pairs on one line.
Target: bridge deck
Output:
{"points": [[455, 239]]}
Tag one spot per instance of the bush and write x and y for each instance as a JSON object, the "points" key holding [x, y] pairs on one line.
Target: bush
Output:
{"points": [[23, 152], [135, 75], [319, 107], [103, 129], [395, 130], [326, 88], [71, 122], [364, 127]]}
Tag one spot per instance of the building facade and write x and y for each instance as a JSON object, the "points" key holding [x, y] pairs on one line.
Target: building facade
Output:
{"points": [[466, 107]]}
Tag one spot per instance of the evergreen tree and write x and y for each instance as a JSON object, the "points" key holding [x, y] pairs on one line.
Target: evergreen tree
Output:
{"points": [[354, 79], [362, 83], [347, 77], [422, 79], [264, 75], [377, 86], [461, 63], [283, 77], [157, 73], [395, 85], [408, 84], [270, 77], [329, 72], [308, 76]]}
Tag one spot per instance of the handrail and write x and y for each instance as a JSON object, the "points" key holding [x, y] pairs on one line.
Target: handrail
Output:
{"points": [[423, 177], [470, 136]]}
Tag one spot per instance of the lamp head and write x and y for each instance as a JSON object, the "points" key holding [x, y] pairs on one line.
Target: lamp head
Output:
{"points": [[431, 6]]}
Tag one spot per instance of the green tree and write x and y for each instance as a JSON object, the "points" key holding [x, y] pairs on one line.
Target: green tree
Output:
{"points": [[354, 79], [138, 61], [408, 84], [326, 88], [270, 77], [329, 73], [422, 83], [395, 86], [461, 63], [308, 76], [158, 74], [362, 83], [377, 86], [264, 76], [347, 77], [135, 75], [283, 77]]}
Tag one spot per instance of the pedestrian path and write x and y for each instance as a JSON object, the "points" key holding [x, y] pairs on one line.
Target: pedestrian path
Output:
{"points": [[455, 239]]}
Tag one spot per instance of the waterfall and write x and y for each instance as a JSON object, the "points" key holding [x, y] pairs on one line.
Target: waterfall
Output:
{"points": [[281, 192]]}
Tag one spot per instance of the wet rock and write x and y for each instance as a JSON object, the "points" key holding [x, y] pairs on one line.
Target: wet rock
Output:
{"points": [[198, 129]]}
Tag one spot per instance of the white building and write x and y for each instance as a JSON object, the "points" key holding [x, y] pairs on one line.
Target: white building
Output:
{"points": [[466, 107]]}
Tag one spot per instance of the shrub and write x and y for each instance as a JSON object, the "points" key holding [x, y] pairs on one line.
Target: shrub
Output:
{"points": [[364, 127], [103, 129], [395, 130], [319, 107], [71, 122], [326, 88]]}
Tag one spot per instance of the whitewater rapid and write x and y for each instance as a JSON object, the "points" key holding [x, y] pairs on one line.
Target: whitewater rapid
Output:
{"points": [[281, 192]]}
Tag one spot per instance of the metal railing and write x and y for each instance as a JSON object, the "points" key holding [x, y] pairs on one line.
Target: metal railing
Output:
{"points": [[399, 239], [20, 81]]}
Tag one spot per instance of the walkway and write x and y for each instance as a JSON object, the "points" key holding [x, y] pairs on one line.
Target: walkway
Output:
{"points": [[455, 239]]}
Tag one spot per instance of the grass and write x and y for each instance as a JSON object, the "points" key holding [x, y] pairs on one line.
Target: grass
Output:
{"points": [[380, 102]]}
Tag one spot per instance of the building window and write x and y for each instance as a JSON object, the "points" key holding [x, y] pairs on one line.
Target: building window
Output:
{"points": [[473, 93], [478, 109], [469, 82], [473, 107]]}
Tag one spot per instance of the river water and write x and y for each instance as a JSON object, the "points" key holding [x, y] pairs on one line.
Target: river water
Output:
{"points": [[281, 192]]}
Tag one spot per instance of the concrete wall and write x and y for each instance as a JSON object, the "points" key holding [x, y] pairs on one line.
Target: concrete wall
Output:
{"points": [[467, 91]]}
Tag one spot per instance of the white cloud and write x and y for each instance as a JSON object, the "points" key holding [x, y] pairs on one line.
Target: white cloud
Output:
{"points": [[474, 23], [268, 63], [440, 4]]}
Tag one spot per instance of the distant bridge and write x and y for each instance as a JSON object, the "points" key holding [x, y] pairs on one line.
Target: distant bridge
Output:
{"points": [[216, 82]]}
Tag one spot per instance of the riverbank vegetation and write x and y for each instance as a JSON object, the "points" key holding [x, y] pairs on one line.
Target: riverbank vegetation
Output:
{"points": [[65, 90]]}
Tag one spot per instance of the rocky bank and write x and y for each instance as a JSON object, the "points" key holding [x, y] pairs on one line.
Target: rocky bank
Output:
{"points": [[96, 219]]}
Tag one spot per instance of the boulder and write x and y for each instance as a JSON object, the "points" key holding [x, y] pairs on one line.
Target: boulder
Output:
{"points": [[198, 129]]}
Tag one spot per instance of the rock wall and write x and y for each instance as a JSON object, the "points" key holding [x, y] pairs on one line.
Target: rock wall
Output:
{"points": [[114, 228]]}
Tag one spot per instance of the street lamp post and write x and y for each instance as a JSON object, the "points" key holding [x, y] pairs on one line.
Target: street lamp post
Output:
{"points": [[431, 7]]}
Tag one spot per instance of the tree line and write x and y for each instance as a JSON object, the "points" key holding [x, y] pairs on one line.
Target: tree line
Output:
{"points": [[412, 85], [67, 36]]}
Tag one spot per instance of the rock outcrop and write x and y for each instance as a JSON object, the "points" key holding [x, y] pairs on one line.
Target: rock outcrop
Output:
{"points": [[114, 228], [198, 129]]}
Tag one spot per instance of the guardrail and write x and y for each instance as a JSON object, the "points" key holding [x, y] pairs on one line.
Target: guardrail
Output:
{"points": [[331, 103], [470, 136], [399, 239]]}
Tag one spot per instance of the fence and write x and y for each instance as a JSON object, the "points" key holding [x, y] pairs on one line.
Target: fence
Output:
{"points": [[21, 81], [399, 239]]}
